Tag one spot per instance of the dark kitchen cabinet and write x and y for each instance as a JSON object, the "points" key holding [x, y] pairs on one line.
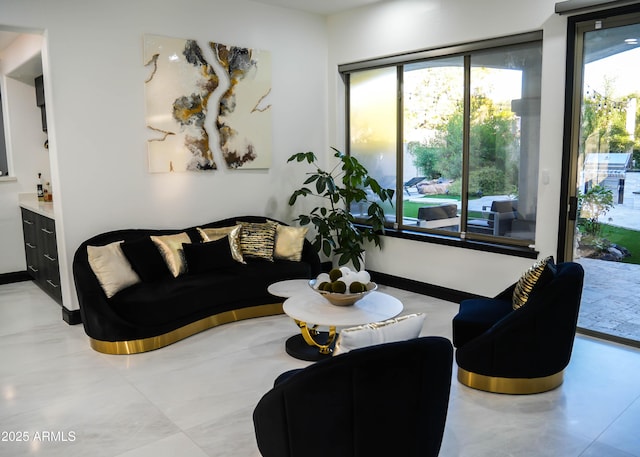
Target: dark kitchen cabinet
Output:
{"points": [[39, 82], [41, 252]]}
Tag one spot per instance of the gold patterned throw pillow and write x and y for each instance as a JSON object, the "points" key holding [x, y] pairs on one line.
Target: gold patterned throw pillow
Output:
{"points": [[529, 281], [170, 246], [289, 242], [258, 239], [233, 232]]}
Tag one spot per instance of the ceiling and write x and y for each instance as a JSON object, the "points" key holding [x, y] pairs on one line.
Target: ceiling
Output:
{"points": [[28, 70], [33, 68], [6, 38], [322, 7]]}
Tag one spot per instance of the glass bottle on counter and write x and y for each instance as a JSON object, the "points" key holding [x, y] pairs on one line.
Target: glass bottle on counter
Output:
{"points": [[40, 188], [48, 196]]}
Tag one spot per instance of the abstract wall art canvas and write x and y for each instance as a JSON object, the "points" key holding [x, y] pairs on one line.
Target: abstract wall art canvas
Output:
{"points": [[204, 102]]}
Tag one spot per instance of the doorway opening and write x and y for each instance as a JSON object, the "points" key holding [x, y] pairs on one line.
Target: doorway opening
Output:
{"points": [[603, 225]]}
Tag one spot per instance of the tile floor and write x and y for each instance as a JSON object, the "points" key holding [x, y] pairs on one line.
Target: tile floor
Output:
{"points": [[195, 398]]}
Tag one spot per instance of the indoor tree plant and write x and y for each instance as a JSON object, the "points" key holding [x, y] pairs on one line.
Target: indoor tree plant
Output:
{"points": [[337, 230]]}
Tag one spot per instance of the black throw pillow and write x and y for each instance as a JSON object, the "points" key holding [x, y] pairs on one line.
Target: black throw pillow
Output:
{"points": [[209, 256], [146, 260]]}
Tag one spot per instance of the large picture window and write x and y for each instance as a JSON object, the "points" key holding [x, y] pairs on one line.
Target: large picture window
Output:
{"points": [[456, 133]]}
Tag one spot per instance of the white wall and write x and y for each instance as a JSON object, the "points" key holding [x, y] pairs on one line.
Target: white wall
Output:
{"points": [[94, 77], [94, 80], [25, 146], [409, 25]]}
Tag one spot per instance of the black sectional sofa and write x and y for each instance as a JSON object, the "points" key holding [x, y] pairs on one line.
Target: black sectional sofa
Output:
{"points": [[162, 309]]}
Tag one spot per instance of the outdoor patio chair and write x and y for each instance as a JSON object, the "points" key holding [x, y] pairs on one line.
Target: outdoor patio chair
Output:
{"points": [[444, 216], [498, 219], [413, 182]]}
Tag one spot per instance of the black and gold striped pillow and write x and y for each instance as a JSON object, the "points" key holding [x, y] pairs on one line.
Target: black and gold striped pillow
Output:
{"points": [[257, 240], [529, 281]]}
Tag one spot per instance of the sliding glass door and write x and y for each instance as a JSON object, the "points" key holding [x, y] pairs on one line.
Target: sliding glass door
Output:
{"points": [[605, 177]]}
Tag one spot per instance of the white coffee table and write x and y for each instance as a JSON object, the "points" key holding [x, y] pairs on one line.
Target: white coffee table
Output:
{"points": [[312, 310], [289, 288]]}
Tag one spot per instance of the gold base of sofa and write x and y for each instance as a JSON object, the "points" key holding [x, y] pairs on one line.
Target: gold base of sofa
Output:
{"points": [[156, 342], [510, 385]]}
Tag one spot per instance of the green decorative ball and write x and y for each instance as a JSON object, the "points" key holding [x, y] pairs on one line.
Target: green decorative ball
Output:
{"points": [[325, 285], [335, 274], [338, 287], [357, 287]]}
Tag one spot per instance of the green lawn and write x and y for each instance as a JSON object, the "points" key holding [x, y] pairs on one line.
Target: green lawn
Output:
{"points": [[630, 239], [410, 209]]}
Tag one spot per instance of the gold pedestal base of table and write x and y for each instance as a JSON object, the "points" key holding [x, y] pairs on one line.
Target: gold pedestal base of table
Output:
{"points": [[310, 334], [311, 344]]}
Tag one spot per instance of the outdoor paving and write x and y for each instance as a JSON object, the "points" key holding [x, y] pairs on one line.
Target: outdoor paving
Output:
{"points": [[610, 299], [627, 214]]}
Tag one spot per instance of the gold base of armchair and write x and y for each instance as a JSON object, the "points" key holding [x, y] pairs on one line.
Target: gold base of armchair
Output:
{"points": [[516, 386]]}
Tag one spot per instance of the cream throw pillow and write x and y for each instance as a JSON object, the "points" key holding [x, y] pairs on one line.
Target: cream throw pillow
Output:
{"points": [[233, 232], [289, 242], [111, 267], [398, 329], [170, 246]]}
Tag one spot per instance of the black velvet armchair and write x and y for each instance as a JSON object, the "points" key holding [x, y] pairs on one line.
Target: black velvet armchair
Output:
{"points": [[390, 399], [521, 351]]}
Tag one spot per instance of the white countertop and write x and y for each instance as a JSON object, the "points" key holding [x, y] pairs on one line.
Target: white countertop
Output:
{"points": [[30, 201]]}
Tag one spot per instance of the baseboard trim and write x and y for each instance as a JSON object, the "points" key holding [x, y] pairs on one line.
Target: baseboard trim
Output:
{"points": [[608, 337], [422, 288], [16, 276], [71, 317]]}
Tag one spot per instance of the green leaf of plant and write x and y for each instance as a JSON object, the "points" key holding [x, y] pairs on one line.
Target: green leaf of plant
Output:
{"points": [[326, 248], [331, 185], [294, 157], [321, 184], [347, 183], [311, 178]]}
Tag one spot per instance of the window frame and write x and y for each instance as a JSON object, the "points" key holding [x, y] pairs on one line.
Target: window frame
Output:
{"points": [[503, 245]]}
